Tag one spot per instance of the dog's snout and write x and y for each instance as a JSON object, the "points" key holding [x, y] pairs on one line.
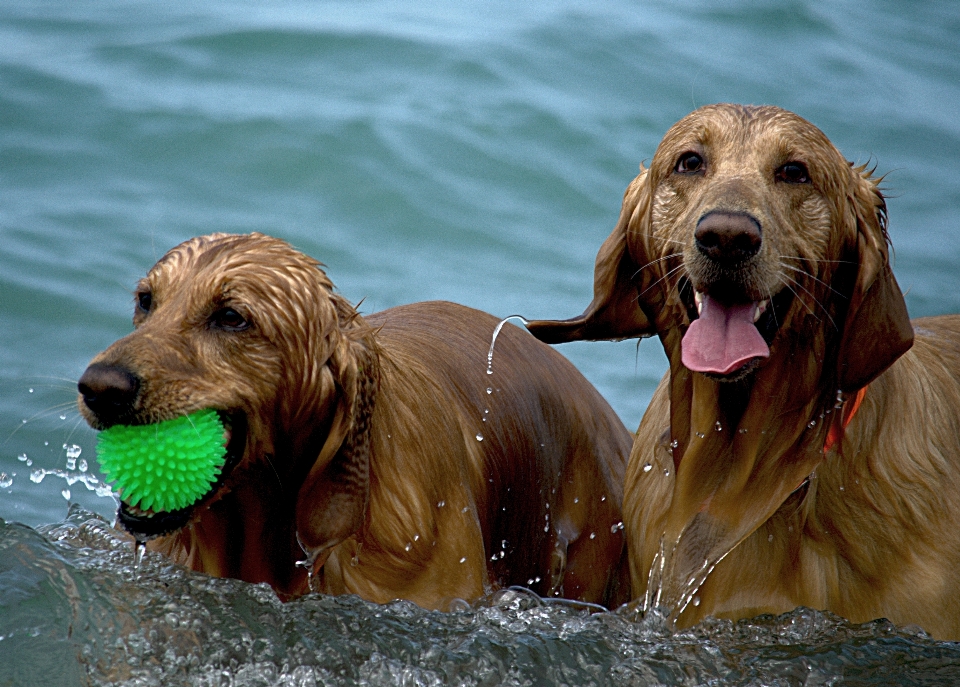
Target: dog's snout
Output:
{"points": [[728, 237], [109, 391]]}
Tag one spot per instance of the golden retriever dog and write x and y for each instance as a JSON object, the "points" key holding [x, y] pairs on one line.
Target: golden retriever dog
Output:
{"points": [[375, 451], [799, 451]]}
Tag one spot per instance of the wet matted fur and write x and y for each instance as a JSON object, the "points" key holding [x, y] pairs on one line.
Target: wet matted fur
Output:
{"points": [[376, 448], [744, 492]]}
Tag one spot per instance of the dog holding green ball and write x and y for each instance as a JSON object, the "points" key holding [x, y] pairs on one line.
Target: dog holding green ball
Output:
{"points": [[256, 426]]}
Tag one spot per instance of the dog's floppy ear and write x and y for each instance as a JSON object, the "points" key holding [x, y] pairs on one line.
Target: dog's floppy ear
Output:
{"points": [[877, 329], [614, 313], [332, 503]]}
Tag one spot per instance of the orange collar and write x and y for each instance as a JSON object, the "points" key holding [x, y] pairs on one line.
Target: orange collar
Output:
{"points": [[849, 410]]}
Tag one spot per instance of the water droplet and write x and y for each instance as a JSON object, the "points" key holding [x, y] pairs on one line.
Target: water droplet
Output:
{"points": [[408, 546], [37, 476], [441, 504], [463, 560], [674, 443], [812, 424], [5, 480], [648, 467], [696, 601], [139, 552], [576, 499], [22, 457], [742, 430], [770, 537], [30, 390], [593, 535], [83, 465], [615, 528], [666, 472], [479, 436], [62, 417], [71, 463], [700, 435], [66, 494], [464, 509], [718, 426], [416, 537], [841, 488], [603, 498], [489, 390]]}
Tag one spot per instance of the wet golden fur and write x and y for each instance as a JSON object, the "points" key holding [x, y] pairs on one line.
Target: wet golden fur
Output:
{"points": [[739, 478], [362, 443]]}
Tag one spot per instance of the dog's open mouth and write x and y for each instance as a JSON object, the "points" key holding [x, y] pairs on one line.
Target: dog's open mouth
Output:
{"points": [[727, 339], [147, 524]]}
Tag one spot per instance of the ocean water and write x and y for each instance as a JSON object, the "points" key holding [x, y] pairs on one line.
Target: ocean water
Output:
{"points": [[475, 152]]}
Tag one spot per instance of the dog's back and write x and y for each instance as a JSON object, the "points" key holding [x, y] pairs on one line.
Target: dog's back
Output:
{"points": [[542, 455]]}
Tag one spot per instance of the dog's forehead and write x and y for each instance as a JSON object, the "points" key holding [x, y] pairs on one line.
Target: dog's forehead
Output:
{"points": [[221, 262], [766, 131]]}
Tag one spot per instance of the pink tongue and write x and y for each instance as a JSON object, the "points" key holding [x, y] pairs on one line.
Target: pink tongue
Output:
{"points": [[722, 339]]}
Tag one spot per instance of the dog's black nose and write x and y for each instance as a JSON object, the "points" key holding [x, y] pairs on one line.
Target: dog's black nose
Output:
{"points": [[109, 391], [728, 237]]}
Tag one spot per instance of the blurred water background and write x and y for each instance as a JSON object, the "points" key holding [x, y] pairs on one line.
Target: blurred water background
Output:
{"points": [[471, 151]]}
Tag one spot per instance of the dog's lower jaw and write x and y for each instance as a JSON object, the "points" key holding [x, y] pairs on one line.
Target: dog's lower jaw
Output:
{"points": [[738, 375], [147, 525]]}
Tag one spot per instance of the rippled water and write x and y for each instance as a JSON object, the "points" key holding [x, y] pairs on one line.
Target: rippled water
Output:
{"points": [[475, 152]]}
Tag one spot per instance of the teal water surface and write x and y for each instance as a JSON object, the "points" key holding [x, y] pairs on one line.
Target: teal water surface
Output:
{"points": [[475, 152]]}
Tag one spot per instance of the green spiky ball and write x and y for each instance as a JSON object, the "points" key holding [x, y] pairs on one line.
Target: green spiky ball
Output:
{"points": [[165, 466]]}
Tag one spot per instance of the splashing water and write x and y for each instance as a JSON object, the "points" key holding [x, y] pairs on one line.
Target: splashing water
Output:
{"points": [[73, 452], [496, 333], [493, 343], [653, 598], [139, 551], [73, 615]]}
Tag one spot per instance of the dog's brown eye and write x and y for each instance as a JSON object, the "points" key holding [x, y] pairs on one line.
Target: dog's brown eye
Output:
{"points": [[793, 173], [144, 301], [689, 163], [230, 320]]}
